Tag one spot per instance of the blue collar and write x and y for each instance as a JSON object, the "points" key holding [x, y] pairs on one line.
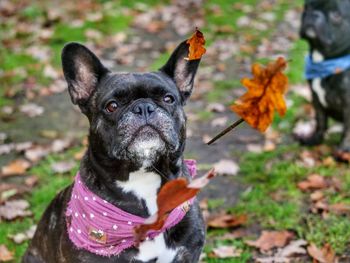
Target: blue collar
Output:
{"points": [[326, 68]]}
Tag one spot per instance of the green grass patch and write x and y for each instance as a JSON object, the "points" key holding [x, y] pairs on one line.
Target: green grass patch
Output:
{"points": [[238, 244], [221, 89], [159, 62], [49, 185], [297, 62]]}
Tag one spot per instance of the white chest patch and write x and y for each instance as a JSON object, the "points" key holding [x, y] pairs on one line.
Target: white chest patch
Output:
{"points": [[316, 83], [144, 185], [321, 94], [156, 248], [317, 56]]}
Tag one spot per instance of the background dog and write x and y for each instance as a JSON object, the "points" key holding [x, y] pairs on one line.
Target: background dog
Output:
{"points": [[326, 27], [136, 143]]}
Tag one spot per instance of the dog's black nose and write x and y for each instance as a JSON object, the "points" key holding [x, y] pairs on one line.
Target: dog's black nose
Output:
{"points": [[144, 109]]}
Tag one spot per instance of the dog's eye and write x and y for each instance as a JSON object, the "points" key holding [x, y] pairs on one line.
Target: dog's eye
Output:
{"points": [[335, 17], [111, 107], [169, 99]]}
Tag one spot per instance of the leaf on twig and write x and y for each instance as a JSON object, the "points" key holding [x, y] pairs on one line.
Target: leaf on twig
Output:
{"points": [[171, 195], [265, 95], [196, 49]]}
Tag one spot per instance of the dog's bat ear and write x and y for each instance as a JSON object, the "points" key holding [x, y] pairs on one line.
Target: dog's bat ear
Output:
{"points": [[181, 70], [82, 70]]}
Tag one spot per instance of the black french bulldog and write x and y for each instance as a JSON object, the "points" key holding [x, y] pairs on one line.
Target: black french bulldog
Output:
{"points": [[326, 27], [137, 127]]}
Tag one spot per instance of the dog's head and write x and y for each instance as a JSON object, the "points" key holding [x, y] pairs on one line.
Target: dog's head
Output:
{"points": [[326, 26], [136, 117]]}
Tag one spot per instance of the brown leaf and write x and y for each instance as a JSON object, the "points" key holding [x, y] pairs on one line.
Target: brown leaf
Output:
{"points": [[283, 255], [339, 208], [314, 181], [271, 239], [171, 195], [63, 166], [13, 209], [226, 252], [324, 255], [196, 49], [226, 220], [5, 254], [30, 181], [36, 153], [265, 95], [15, 167]]}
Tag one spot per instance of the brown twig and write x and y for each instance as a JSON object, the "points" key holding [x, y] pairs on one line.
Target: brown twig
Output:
{"points": [[228, 129]]}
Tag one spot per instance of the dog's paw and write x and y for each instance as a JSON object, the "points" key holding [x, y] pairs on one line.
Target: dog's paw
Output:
{"points": [[314, 139]]}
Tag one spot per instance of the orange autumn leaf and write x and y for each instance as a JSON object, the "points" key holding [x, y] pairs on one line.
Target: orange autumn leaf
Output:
{"points": [[196, 49], [265, 95], [171, 195]]}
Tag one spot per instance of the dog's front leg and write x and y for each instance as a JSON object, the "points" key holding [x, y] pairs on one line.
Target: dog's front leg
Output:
{"points": [[321, 124], [345, 142]]}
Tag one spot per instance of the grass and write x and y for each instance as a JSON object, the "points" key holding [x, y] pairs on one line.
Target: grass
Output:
{"points": [[39, 199]]}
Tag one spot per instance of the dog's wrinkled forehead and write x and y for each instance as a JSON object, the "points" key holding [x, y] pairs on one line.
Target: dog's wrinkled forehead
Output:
{"points": [[136, 85]]}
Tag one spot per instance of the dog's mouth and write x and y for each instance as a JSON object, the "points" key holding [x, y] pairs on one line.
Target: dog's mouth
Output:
{"points": [[147, 132]]}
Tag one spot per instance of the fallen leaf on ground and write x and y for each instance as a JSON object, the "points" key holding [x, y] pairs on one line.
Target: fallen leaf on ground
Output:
{"points": [[36, 153], [226, 220], [284, 255], [295, 247], [219, 122], [31, 110], [265, 95], [60, 145], [196, 49], [63, 166], [5, 254], [339, 208], [79, 155], [216, 107], [227, 167], [15, 167], [19, 238], [316, 196], [30, 181], [314, 181], [13, 209], [254, 148], [324, 255], [271, 239], [226, 252], [171, 195]]}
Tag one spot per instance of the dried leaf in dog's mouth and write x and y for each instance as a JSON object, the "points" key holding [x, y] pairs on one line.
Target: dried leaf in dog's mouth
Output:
{"points": [[196, 49], [170, 196]]}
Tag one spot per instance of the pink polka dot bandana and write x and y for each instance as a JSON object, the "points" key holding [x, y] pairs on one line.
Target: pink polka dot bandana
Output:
{"points": [[100, 227]]}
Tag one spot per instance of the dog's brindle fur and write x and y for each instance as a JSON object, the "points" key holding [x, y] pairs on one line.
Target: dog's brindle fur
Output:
{"points": [[142, 115], [326, 26]]}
